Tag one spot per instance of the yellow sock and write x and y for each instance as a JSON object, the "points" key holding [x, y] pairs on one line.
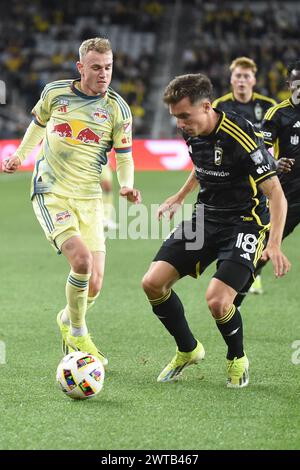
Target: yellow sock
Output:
{"points": [[91, 301], [77, 293]]}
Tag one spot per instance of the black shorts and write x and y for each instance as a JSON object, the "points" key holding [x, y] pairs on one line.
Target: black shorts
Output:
{"points": [[292, 218], [242, 243]]}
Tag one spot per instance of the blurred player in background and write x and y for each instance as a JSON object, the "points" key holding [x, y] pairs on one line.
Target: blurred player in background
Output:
{"points": [[236, 174], [79, 121], [251, 105], [106, 181]]}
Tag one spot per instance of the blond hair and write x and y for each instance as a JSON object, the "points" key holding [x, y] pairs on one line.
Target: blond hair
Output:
{"points": [[244, 62], [101, 45]]}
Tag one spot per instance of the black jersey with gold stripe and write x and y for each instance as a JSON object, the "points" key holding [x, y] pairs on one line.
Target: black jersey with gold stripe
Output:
{"points": [[281, 128], [254, 110], [229, 164]]}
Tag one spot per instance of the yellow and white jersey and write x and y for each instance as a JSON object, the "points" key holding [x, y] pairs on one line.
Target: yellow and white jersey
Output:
{"points": [[80, 130]]}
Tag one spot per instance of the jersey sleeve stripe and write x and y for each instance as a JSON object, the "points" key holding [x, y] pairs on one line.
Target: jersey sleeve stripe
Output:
{"points": [[249, 147], [235, 136], [125, 110], [54, 86], [240, 131], [263, 98], [35, 120], [123, 150], [221, 122], [270, 113], [223, 98], [271, 173]]}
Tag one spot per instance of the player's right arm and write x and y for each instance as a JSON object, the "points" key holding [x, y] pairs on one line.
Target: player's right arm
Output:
{"points": [[270, 127], [172, 204], [34, 133], [33, 136]]}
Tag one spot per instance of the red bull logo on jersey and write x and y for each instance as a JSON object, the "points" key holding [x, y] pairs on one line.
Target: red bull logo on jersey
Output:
{"points": [[62, 217], [62, 130], [100, 115], [76, 132]]}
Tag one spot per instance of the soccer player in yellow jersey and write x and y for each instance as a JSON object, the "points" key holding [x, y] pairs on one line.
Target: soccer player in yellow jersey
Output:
{"points": [[79, 121]]}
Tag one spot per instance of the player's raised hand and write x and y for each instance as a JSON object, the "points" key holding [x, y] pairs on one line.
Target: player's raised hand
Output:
{"points": [[11, 164], [132, 194], [170, 205], [280, 262], [284, 165]]}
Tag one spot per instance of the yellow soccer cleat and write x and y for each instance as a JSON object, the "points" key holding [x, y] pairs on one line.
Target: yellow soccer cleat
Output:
{"points": [[256, 287], [85, 343], [238, 372], [179, 362], [64, 330]]}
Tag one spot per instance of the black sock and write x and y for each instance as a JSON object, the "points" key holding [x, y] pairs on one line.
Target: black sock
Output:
{"points": [[239, 299], [169, 310], [231, 328]]}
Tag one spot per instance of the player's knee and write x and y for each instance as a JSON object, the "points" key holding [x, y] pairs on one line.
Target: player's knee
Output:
{"points": [[216, 305], [83, 263], [151, 286]]}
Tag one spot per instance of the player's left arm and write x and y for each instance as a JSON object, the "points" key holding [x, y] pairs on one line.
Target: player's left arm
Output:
{"points": [[122, 142], [272, 189]]}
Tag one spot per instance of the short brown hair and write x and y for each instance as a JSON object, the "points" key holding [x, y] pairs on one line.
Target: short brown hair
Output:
{"points": [[101, 45], [194, 86], [244, 62]]}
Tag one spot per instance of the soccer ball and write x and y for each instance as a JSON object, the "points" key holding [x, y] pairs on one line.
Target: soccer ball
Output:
{"points": [[80, 375]]}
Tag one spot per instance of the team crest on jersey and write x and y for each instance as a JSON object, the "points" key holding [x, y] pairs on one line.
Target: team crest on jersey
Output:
{"points": [[63, 102], [100, 115], [62, 217], [257, 157], [258, 111], [218, 154], [294, 139]]}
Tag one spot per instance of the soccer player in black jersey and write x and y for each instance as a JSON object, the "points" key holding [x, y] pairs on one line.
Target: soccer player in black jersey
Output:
{"points": [[281, 129], [245, 101], [236, 174]]}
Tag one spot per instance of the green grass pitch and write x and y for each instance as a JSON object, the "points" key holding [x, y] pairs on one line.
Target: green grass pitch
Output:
{"points": [[133, 411]]}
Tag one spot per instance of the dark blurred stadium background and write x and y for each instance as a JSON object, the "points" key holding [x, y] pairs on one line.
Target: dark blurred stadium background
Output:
{"points": [[152, 42]]}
